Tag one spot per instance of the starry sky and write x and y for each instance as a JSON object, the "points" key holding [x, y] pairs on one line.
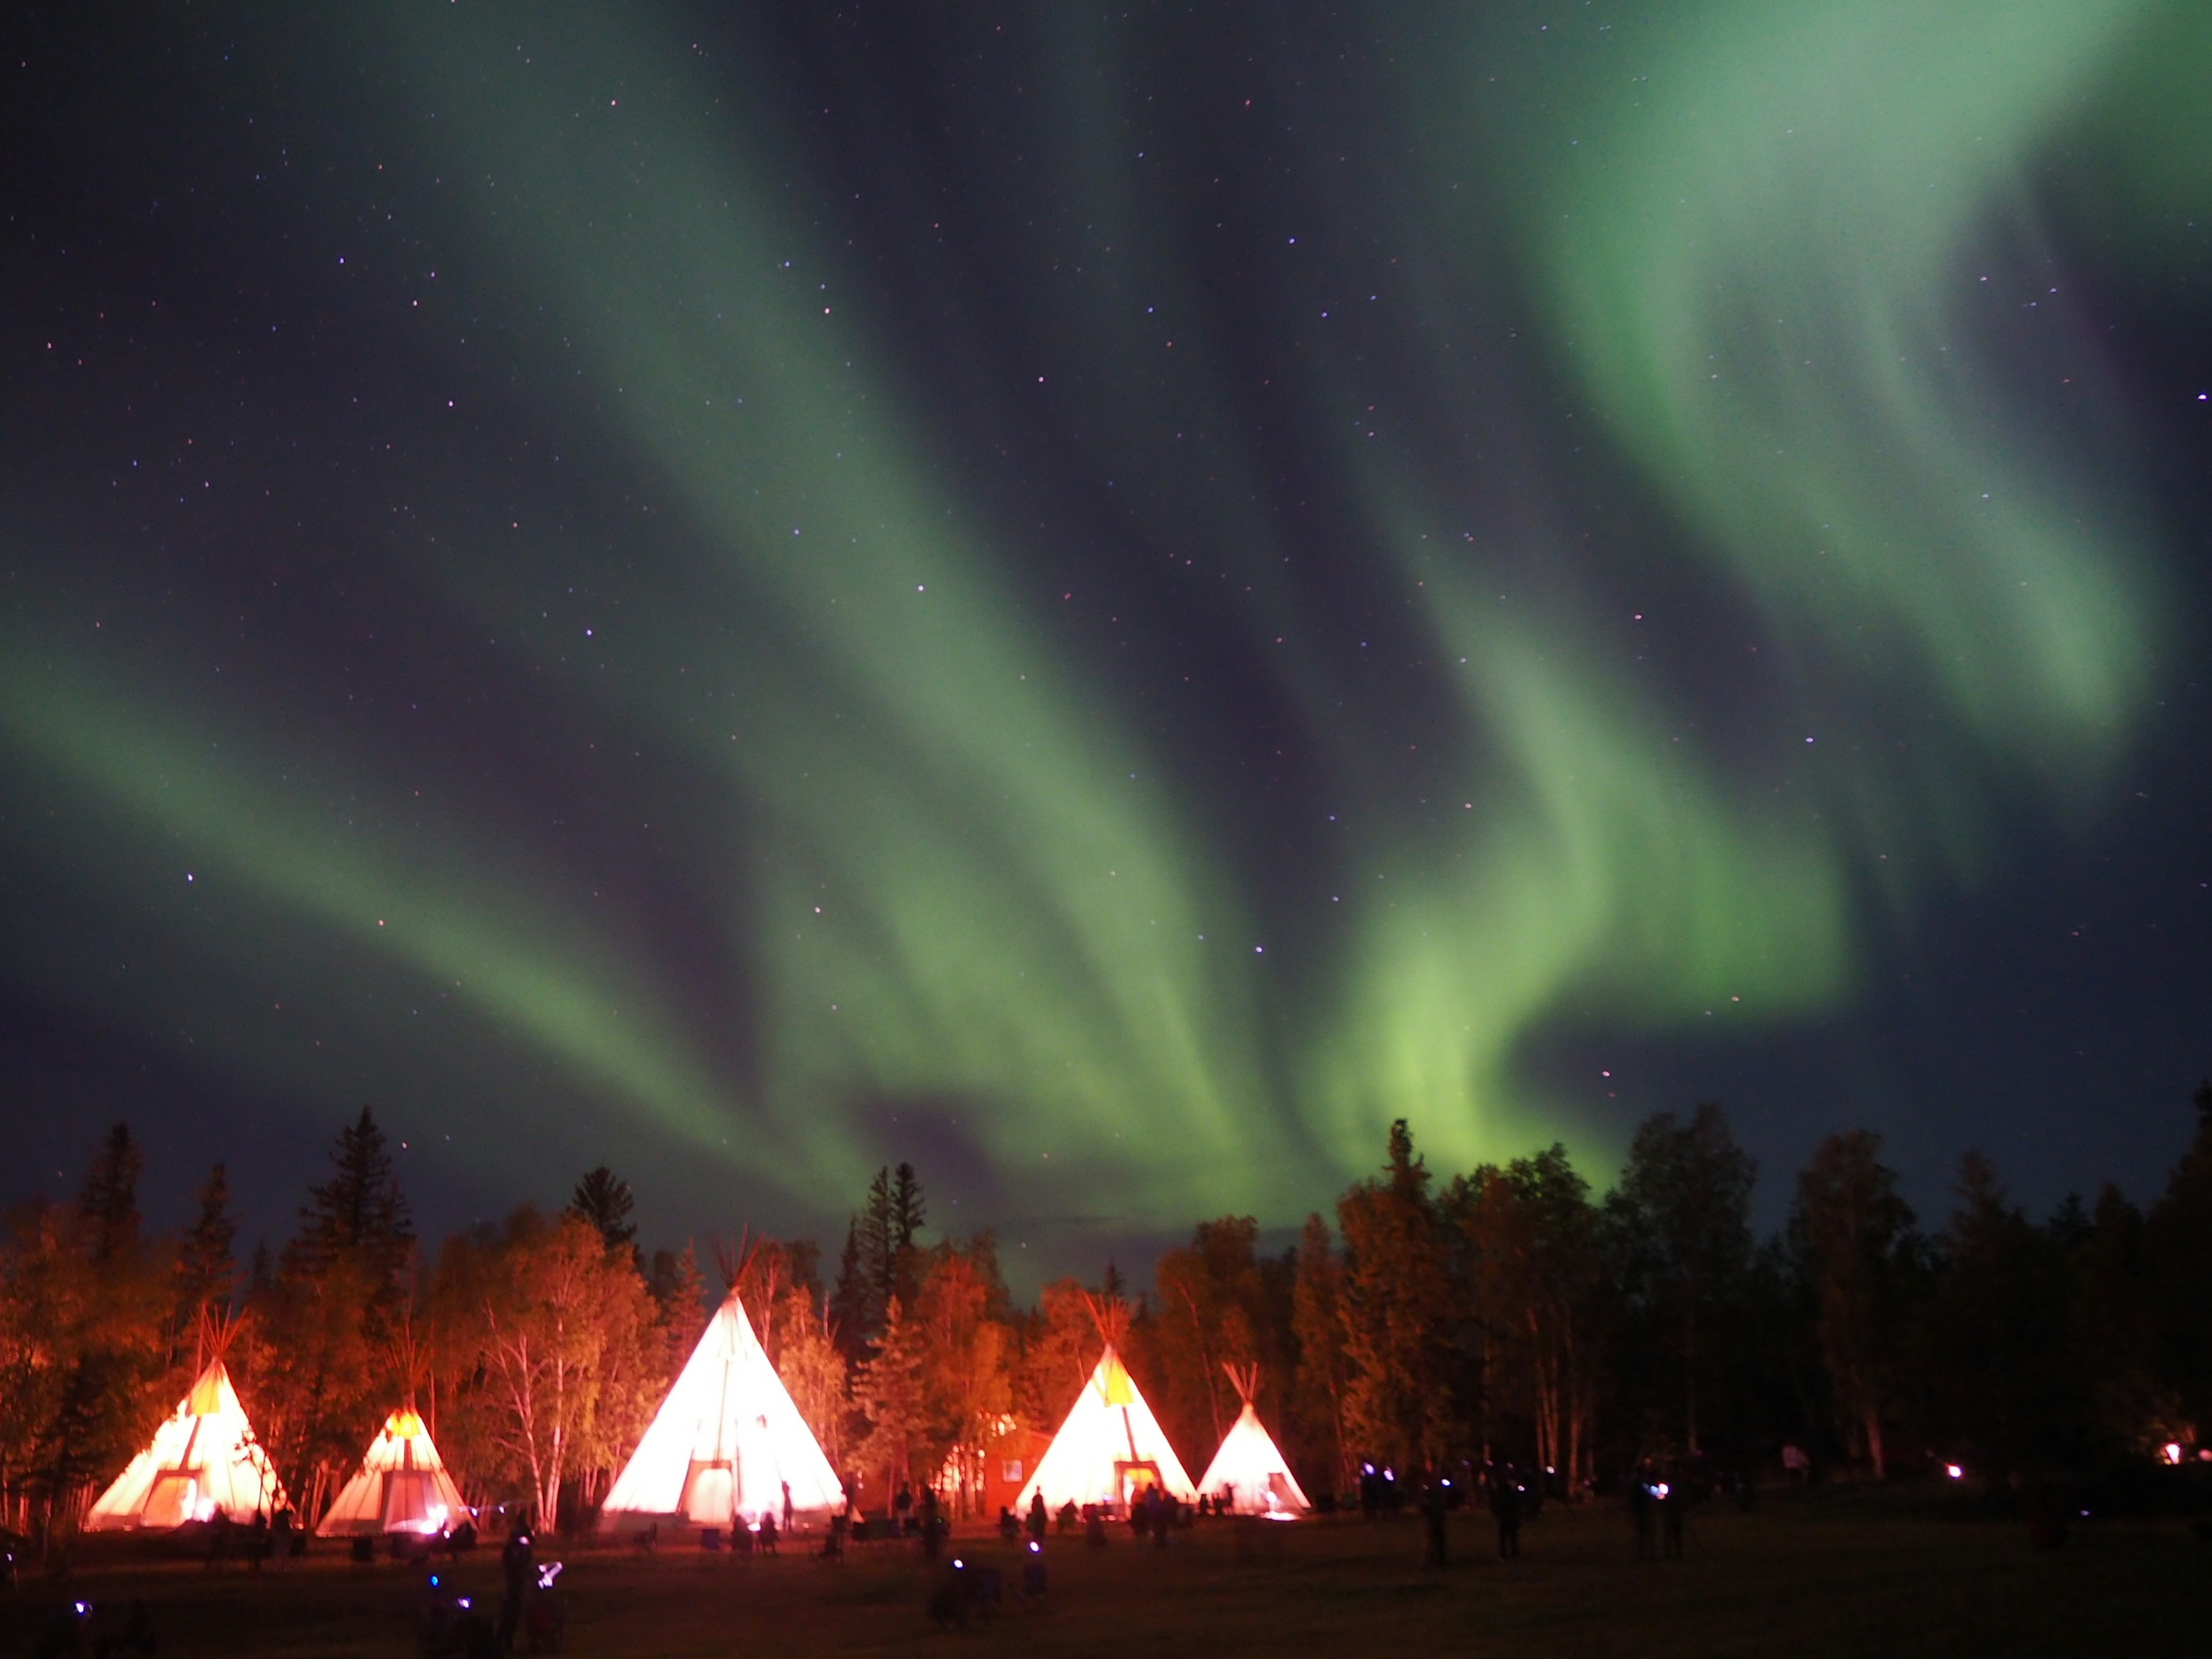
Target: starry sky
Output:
{"points": [[1105, 600]]}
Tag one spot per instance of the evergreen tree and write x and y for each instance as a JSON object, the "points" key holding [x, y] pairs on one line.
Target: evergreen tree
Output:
{"points": [[359, 1209], [1858, 1252], [1997, 1338], [108, 1205], [1398, 1304], [852, 1302], [602, 1199], [1681, 1222], [207, 1271]]}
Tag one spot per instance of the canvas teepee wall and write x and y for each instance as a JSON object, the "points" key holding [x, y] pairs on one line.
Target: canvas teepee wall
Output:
{"points": [[202, 1459], [1109, 1447], [401, 1487], [725, 1443], [1249, 1468]]}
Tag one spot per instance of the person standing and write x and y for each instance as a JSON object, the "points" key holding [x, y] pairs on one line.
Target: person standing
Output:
{"points": [[1432, 1517], [1505, 1505], [1037, 1518], [1640, 1512], [517, 1562], [1673, 1500], [787, 1506]]}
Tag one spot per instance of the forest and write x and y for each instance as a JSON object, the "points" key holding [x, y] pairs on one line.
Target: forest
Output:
{"points": [[1508, 1315]]}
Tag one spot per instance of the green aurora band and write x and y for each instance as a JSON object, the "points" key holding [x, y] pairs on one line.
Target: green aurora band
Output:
{"points": [[955, 862]]}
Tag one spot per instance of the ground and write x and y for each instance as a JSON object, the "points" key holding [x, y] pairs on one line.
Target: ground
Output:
{"points": [[1839, 1573]]}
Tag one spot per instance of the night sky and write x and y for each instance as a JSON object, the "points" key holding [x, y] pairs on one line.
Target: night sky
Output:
{"points": [[1105, 600]]}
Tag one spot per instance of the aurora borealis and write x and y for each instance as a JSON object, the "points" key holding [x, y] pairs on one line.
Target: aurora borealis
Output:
{"points": [[1106, 602]]}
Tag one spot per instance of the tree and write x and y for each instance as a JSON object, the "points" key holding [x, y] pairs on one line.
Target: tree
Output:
{"points": [[1681, 1223], [360, 1210], [812, 1369], [83, 1331], [603, 1198], [891, 1393], [1995, 1340], [1058, 1349], [341, 1298], [881, 1259], [1858, 1254], [555, 1336], [1397, 1305], [207, 1270], [1324, 1373], [966, 1380], [678, 1288], [1532, 1259], [107, 1204], [2177, 1253]]}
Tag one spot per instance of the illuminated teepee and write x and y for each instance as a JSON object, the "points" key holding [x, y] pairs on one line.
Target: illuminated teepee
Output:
{"points": [[401, 1487], [725, 1443], [1111, 1448], [202, 1460], [1248, 1475]]}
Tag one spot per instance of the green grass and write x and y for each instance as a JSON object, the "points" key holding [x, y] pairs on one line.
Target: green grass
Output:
{"points": [[1846, 1574]]}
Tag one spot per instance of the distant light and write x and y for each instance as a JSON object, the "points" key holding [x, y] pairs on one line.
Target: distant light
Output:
{"points": [[1036, 1548], [2171, 1451], [957, 1563], [1954, 1471]]}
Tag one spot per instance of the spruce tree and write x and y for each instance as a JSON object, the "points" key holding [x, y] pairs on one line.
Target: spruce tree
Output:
{"points": [[108, 1205], [359, 1210], [603, 1198], [207, 1270]]}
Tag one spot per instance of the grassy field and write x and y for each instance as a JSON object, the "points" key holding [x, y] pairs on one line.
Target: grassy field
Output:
{"points": [[1831, 1574]]}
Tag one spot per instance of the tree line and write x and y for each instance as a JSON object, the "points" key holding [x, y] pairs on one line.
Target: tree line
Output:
{"points": [[1505, 1314]]}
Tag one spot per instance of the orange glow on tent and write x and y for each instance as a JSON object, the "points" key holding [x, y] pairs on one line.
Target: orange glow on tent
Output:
{"points": [[402, 1486], [1109, 1447], [725, 1443], [202, 1459]]}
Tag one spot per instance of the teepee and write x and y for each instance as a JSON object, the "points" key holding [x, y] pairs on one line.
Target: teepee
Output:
{"points": [[1110, 1447], [202, 1460], [725, 1442], [1248, 1475], [401, 1487]]}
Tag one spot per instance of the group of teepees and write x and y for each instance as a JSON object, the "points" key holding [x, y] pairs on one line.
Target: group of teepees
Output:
{"points": [[204, 1462], [728, 1448], [1110, 1451]]}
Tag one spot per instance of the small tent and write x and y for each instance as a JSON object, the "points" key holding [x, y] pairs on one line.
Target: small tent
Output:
{"points": [[202, 1460], [401, 1487], [725, 1443], [1248, 1475], [1109, 1448]]}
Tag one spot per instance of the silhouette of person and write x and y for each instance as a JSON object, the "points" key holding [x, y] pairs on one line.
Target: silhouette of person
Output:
{"points": [[516, 1562], [1432, 1517], [787, 1506], [1640, 1500], [1036, 1516], [1505, 1505]]}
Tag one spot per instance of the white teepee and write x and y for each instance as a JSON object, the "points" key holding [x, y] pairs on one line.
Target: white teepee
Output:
{"points": [[725, 1443], [1248, 1475], [1109, 1449], [202, 1459], [401, 1487]]}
